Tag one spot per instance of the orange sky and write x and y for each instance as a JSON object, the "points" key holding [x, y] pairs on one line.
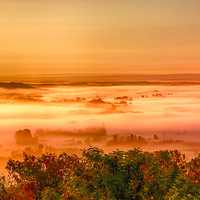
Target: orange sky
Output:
{"points": [[40, 36]]}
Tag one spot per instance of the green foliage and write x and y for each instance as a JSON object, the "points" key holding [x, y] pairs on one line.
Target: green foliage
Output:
{"points": [[131, 175], [50, 194]]}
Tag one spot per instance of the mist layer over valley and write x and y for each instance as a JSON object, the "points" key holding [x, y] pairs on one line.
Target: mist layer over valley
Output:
{"points": [[167, 108], [63, 117]]}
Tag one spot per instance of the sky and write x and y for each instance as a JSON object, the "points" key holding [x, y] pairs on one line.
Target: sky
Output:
{"points": [[100, 36]]}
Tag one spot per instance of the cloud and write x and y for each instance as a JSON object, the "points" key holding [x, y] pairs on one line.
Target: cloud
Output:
{"points": [[20, 95]]}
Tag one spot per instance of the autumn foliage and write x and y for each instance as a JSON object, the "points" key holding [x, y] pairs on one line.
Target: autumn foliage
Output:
{"points": [[131, 175]]}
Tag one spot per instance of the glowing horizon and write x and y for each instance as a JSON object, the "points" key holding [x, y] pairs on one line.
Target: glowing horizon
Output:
{"points": [[99, 36]]}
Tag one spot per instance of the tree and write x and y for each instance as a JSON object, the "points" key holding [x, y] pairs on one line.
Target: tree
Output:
{"points": [[130, 175]]}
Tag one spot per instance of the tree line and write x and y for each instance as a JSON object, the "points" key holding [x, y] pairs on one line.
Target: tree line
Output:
{"points": [[95, 175]]}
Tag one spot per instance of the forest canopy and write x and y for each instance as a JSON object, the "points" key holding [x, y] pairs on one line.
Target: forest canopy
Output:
{"points": [[95, 175]]}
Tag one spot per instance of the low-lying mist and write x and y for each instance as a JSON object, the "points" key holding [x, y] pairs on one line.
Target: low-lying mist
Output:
{"points": [[57, 117]]}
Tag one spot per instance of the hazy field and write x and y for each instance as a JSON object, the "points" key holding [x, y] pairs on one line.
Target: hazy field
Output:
{"points": [[60, 110], [159, 109]]}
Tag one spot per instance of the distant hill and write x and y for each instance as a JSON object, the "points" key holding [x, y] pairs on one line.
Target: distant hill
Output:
{"points": [[15, 85], [94, 79]]}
